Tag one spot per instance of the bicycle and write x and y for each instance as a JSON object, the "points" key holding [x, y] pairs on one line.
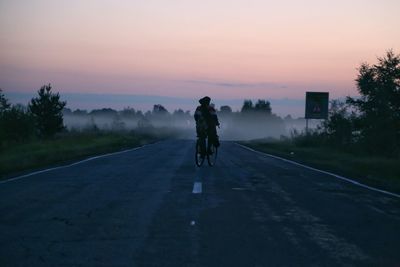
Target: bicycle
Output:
{"points": [[201, 149]]}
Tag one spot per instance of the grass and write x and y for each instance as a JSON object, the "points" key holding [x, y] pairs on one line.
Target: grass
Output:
{"points": [[18, 158], [380, 172]]}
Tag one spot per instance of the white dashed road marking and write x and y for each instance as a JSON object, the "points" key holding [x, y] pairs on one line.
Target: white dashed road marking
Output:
{"points": [[197, 188]]}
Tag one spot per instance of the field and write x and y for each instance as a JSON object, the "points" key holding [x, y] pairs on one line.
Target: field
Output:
{"points": [[380, 172], [18, 158]]}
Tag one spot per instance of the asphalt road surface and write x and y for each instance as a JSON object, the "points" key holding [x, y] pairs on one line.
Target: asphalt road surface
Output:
{"points": [[153, 207]]}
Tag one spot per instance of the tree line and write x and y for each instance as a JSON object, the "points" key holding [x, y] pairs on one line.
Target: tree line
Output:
{"points": [[107, 118], [46, 115], [42, 117], [369, 123]]}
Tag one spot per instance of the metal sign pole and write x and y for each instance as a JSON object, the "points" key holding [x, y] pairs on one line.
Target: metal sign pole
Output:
{"points": [[306, 126]]}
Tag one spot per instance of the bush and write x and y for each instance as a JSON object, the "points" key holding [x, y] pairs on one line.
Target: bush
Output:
{"points": [[312, 138], [15, 122], [340, 125], [16, 125]]}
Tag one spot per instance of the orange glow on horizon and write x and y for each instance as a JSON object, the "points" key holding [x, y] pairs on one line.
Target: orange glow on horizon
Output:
{"points": [[156, 47]]}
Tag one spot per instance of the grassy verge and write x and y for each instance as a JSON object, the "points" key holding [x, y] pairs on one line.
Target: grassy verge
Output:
{"points": [[380, 172], [73, 146]]}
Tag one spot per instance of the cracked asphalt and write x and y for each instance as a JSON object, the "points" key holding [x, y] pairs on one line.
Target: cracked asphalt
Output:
{"points": [[138, 209]]}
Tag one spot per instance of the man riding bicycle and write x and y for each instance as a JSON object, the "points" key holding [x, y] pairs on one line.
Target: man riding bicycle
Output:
{"points": [[206, 122]]}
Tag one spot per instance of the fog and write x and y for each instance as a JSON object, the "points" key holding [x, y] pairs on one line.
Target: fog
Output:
{"points": [[233, 125]]}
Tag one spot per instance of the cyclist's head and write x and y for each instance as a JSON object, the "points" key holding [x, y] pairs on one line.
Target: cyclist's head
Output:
{"points": [[205, 101]]}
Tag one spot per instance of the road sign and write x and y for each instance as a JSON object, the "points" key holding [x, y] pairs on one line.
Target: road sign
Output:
{"points": [[317, 105]]}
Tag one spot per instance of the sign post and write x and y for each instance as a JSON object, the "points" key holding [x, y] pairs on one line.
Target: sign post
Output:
{"points": [[316, 106]]}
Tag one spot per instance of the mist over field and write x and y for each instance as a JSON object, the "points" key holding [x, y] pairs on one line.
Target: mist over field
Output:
{"points": [[88, 112], [234, 125]]}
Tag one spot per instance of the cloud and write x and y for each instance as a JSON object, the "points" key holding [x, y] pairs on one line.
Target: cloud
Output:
{"points": [[268, 85]]}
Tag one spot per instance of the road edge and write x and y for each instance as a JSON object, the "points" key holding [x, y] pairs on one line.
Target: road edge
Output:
{"points": [[73, 164], [322, 171]]}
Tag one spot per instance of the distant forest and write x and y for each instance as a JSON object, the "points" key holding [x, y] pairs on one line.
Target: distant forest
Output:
{"points": [[369, 123], [252, 121], [46, 115]]}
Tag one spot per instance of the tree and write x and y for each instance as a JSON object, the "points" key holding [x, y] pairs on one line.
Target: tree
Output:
{"points": [[128, 112], [263, 106], [80, 112], [379, 103], [4, 104], [226, 110], [247, 106], [104, 112], [339, 126], [159, 110], [47, 111], [67, 111], [16, 124], [178, 113]]}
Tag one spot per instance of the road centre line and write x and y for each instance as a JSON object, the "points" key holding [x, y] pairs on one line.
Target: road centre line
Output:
{"points": [[73, 164], [240, 189], [197, 188], [324, 172]]}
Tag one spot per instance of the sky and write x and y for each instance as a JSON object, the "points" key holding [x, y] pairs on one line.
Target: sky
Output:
{"points": [[227, 49]]}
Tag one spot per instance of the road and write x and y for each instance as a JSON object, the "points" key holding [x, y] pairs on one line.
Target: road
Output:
{"points": [[153, 207]]}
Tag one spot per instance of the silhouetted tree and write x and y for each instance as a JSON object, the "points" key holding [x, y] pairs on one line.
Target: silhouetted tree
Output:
{"points": [[178, 113], [159, 110], [226, 110], [139, 113], [128, 112], [247, 106], [263, 106], [288, 117], [16, 124], [379, 103], [4, 104], [47, 111], [67, 111], [105, 112], [339, 126], [80, 112]]}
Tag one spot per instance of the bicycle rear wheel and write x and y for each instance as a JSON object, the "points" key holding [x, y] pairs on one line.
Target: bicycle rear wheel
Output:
{"points": [[198, 158], [212, 158]]}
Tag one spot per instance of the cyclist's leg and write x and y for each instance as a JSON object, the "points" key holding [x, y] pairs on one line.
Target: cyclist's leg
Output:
{"points": [[212, 138], [202, 140], [210, 141], [203, 146]]}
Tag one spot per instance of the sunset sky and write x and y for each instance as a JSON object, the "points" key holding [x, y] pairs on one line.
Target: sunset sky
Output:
{"points": [[228, 49]]}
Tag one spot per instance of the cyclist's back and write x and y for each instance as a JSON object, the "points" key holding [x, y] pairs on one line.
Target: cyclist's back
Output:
{"points": [[202, 117], [206, 121]]}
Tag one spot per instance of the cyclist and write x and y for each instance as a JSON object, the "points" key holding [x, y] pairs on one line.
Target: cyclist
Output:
{"points": [[213, 125], [206, 122]]}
